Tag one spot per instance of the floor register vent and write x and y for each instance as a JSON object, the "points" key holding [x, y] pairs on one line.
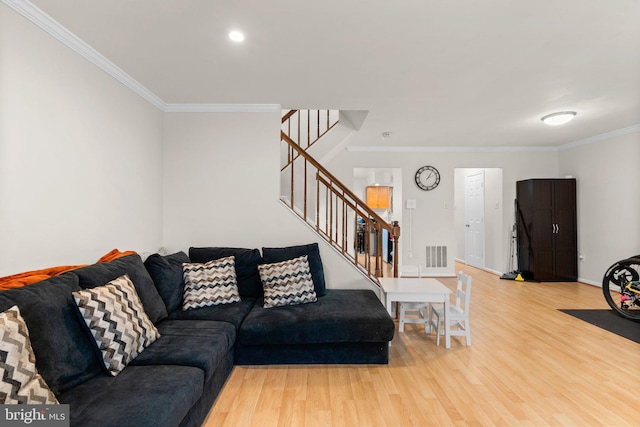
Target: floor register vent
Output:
{"points": [[436, 256]]}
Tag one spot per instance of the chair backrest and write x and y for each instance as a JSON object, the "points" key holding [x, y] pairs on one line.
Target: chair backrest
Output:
{"points": [[463, 291], [410, 271]]}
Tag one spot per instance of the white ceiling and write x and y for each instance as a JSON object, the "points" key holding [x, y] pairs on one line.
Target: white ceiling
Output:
{"points": [[435, 73]]}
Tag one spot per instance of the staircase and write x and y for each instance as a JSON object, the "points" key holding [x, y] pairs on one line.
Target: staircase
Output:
{"points": [[325, 204]]}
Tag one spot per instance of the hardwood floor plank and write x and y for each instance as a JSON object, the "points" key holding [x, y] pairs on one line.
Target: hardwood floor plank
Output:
{"points": [[529, 365]]}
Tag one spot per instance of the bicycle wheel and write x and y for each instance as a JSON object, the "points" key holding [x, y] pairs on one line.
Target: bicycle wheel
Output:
{"points": [[623, 298]]}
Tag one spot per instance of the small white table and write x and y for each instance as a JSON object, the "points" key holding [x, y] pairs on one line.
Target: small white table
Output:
{"points": [[411, 289]]}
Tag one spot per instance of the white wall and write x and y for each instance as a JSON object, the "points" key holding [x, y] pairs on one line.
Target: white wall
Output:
{"points": [[607, 175], [221, 187], [495, 224], [608, 179], [80, 166], [433, 219]]}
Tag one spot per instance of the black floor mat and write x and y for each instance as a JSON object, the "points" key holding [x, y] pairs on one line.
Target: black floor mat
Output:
{"points": [[610, 321]]}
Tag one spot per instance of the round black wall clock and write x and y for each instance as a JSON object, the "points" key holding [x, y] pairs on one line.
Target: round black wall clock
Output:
{"points": [[427, 178]]}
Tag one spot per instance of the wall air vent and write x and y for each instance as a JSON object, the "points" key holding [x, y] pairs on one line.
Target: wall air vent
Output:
{"points": [[436, 256]]}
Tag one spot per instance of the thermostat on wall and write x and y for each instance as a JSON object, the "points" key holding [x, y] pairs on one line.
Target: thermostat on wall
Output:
{"points": [[411, 203]]}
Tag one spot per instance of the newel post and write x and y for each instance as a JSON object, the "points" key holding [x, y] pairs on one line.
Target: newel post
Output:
{"points": [[396, 246]]}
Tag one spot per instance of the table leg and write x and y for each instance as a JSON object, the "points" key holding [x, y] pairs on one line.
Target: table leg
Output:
{"points": [[447, 332]]}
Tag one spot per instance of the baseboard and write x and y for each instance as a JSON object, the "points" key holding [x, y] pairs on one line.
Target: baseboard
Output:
{"points": [[589, 282], [488, 270]]}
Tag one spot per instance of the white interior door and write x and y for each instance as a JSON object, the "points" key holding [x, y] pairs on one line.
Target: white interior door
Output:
{"points": [[474, 219]]}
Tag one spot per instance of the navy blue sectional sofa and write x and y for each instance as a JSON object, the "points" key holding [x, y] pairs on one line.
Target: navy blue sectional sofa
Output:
{"points": [[175, 381]]}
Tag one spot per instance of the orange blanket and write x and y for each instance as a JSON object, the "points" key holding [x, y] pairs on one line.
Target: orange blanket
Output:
{"points": [[29, 277]]}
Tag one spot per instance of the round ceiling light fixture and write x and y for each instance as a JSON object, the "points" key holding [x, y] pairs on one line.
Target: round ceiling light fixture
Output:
{"points": [[236, 36], [559, 118]]}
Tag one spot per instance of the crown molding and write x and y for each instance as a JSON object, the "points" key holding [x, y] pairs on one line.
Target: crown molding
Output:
{"points": [[222, 108], [55, 29], [59, 32], [417, 149], [602, 137]]}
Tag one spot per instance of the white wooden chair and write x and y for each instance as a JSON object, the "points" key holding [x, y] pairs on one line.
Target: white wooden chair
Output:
{"points": [[417, 311], [409, 271], [458, 315]]}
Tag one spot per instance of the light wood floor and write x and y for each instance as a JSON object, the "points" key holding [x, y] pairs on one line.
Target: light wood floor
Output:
{"points": [[529, 365]]}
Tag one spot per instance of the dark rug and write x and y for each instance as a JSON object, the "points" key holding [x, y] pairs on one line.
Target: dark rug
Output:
{"points": [[610, 321]]}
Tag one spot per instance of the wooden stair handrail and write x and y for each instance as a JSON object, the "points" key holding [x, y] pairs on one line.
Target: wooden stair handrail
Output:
{"points": [[320, 131], [393, 230], [288, 115], [341, 208]]}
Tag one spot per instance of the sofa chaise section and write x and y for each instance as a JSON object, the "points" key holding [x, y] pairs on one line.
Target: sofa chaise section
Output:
{"points": [[343, 326]]}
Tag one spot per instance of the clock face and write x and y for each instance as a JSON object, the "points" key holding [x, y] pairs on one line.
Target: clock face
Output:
{"points": [[427, 178]]}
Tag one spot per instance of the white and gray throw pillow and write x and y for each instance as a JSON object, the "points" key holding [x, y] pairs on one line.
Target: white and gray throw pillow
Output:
{"points": [[117, 321], [20, 382], [287, 282], [210, 283]]}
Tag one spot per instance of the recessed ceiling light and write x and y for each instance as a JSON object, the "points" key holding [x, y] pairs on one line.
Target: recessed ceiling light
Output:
{"points": [[236, 36], [559, 118]]}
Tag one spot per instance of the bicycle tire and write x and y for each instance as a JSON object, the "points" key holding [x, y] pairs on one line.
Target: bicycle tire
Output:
{"points": [[615, 279]]}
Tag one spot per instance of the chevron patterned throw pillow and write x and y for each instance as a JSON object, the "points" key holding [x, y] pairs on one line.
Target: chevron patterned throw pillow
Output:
{"points": [[211, 283], [20, 382], [117, 321], [287, 282]]}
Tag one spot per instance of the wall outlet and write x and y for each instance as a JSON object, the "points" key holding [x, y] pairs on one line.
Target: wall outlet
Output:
{"points": [[411, 203]]}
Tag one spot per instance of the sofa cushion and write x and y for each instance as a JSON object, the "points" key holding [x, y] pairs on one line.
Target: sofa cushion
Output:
{"points": [[166, 272], [231, 313], [339, 316], [287, 283], [271, 255], [141, 396], [199, 343], [117, 322], [63, 349], [210, 283], [20, 382], [247, 261], [131, 265]]}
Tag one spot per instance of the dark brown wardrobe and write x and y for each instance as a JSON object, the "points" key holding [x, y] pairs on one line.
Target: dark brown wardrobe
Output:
{"points": [[547, 229]]}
